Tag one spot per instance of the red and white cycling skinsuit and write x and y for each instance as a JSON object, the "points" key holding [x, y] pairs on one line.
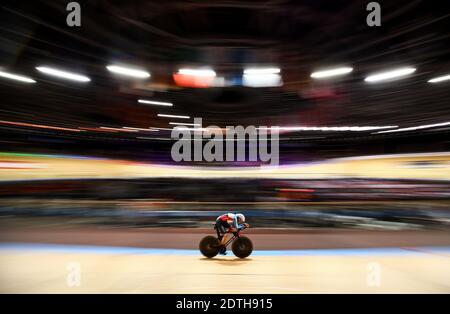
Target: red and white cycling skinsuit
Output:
{"points": [[228, 223]]}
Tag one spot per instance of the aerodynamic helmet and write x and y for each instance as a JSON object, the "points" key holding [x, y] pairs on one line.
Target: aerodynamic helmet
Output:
{"points": [[240, 217]]}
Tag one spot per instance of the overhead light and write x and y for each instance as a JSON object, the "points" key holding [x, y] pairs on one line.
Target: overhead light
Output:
{"points": [[261, 77], [439, 79], [195, 78], [331, 72], [419, 127], [139, 129], [63, 74], [118, 129], [251, 71], [128, 71], [187, 124], [384, 76], [157, 103], [160, 129], [220, 81], [16, 77], [154, 138], [261, 80], [172, 116], [183, 128], [196, 128], [197, 72], [330, 128]]}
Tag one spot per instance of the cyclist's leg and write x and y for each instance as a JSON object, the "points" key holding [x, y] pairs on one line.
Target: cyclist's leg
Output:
{"points": [[220, 230], [227, 236]]}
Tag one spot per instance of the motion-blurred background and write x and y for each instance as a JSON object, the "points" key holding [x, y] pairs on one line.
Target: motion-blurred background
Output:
{"points": [[89, 147]]}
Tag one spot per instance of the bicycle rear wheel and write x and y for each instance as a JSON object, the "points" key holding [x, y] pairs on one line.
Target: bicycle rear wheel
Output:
{"points": [[209, 246]]}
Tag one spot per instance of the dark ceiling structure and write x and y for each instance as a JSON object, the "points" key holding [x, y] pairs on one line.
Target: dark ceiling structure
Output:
{"points": [[228, 36]]}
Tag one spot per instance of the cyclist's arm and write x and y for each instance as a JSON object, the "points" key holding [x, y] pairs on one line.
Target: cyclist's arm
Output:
{"points": [[236, 224]]}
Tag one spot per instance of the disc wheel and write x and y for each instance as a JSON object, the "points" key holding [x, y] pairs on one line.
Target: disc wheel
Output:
{"points": [[209, 246], [242, 247]]}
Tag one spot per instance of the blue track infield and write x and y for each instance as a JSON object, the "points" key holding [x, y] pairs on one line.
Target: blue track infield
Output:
{"points": [[91, 249]]}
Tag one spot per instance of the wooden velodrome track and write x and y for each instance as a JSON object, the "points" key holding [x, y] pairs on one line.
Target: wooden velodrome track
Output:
{"points": [[49, 269], [139, 261]]}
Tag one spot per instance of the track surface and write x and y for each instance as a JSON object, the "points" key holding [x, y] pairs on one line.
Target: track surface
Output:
{"points": [[50, 269], [41, 259], [189, 238]]}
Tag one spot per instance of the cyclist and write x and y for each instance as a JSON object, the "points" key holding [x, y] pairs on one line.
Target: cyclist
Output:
{"points": [[226, 225]]}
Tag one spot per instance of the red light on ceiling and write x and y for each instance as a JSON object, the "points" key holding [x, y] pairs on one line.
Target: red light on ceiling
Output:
{"points": [[192, 80]]}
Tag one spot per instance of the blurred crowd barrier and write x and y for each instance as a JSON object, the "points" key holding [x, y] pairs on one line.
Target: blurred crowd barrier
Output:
{"points": [[397, 215], [388, 192], [428, 166]]}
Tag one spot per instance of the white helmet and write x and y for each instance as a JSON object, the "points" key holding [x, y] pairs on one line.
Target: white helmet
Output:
{"points": [[240, 217]]}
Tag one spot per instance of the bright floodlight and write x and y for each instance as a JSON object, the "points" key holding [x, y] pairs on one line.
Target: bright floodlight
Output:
{"points": [[419, 127], [384, 76], [139, 129], [261, 80], [172, 116], [330, 128], [331, 72], [158, 129], [261, 77], [251, 71], [197, 72], [63, 74], [439, 79], [186, 124], [16, 77], [137, 73], [157, 103]]}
